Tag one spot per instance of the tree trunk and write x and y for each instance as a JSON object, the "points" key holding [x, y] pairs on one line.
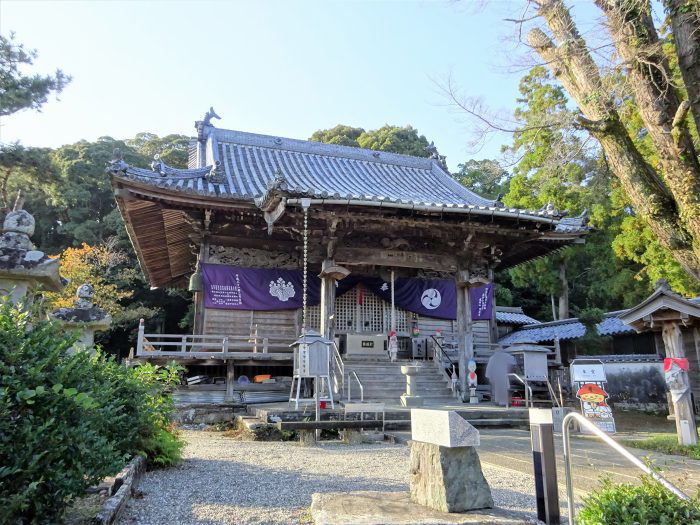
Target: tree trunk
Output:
{"points": [[685, 23], [573, 66], [564, 294], [650, 78]]}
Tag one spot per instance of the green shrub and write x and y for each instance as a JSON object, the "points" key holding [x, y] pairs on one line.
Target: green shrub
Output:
{"points": [[69, 420], [164, 448], [646, 504]]}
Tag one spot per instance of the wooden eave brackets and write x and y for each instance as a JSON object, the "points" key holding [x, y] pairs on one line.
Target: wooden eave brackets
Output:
{"points": [[272, 216]]}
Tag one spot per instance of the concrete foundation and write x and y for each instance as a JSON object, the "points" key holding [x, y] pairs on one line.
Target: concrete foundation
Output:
{"points": [[396, 508]]}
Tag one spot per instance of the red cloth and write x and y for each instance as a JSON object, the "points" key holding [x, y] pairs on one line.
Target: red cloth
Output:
{"points": [[682, 363]]}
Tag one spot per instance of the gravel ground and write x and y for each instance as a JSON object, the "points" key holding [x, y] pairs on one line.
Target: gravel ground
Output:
{"points": [[223, 481]]}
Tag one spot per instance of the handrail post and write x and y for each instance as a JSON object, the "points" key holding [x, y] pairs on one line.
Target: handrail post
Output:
{"points": [[184, 343], [266, 342], [224, 345], [139, 341], [566, 436]]}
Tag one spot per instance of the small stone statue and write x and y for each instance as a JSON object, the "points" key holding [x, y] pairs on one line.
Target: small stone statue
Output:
{"points": [[84, 296], [85, 316]]}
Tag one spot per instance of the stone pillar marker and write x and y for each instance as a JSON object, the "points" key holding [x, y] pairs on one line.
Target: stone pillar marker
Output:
{"points": [[445, 471], [23, 268], [84, 316], [411, 398]]}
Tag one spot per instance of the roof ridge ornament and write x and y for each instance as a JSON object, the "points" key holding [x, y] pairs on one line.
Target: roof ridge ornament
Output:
{"points": [[435, 155], [200, 125], [117, 164], [215, 174]]}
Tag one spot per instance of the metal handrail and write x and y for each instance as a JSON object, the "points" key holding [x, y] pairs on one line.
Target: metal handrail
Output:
{"points": [[338, 365], [566, 434], [528, 388], [551, 393], [442, 350], [362, 388]]}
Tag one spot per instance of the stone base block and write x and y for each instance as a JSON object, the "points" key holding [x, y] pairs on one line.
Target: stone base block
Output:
{"points": [[396, 508], [411, 401], [307, 438], [448, 479]]}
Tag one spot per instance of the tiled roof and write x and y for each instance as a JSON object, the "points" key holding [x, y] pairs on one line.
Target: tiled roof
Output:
{"points": [[241, 166], [518, 318], [566, 329]]}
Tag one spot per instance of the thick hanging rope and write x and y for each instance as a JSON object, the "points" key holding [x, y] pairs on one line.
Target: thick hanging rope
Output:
{"points": [[306, 258]]}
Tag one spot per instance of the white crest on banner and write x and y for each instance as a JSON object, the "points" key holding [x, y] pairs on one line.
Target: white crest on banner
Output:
{"points": [[282, 290], [431, 298], [384, 287]]}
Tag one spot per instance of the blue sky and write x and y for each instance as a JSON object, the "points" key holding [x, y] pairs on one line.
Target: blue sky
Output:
{"points": [[273, 67]]}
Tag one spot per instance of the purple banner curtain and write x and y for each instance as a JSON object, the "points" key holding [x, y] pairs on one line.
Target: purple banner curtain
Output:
{"points": [[236, 288], [429, 297], [481, 300]]}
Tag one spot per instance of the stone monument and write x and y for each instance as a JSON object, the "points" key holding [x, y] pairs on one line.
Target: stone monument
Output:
{"points": [[23, 268], [445, 468], [83, 316]]}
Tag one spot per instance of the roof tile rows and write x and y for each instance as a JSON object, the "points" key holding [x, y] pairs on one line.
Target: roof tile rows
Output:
{"points": [[563, 330], [246, 166]]}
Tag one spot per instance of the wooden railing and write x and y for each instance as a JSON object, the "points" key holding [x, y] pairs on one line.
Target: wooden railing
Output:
{"points": [[210, 345]]}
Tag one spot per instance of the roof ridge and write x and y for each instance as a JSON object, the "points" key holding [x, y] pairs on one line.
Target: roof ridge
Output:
{"points": [[322, 148]]}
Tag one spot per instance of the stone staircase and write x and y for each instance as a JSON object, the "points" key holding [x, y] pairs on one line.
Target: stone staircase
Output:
{"points": [[383, 381]]}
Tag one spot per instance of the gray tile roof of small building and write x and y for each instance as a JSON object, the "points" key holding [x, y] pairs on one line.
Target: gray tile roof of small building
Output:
{"points": [[242, 166], [566, 329], [517, 318]]}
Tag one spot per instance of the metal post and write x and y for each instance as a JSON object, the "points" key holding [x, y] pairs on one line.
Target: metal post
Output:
{"points": [[317, 401], [393, 307], [545, 466]]}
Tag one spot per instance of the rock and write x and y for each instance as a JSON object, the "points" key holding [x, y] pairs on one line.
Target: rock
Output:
{"points": [[448, 479], [34, 256]]}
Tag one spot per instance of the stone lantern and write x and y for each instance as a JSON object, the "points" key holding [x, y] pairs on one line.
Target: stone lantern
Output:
{"points": [[83, 316], [23, 268]]}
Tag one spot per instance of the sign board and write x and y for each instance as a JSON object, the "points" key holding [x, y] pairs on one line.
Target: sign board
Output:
{"points": [[587, 371], [588, 379]]}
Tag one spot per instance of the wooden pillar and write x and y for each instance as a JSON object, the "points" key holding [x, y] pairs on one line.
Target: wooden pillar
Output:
{"points": [[230, 379], [327, 327], [198, 297], [682, 404], [465, 340]]}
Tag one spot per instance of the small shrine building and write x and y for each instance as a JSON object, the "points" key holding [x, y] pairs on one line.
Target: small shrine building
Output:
{"points": [[393, 242]]}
